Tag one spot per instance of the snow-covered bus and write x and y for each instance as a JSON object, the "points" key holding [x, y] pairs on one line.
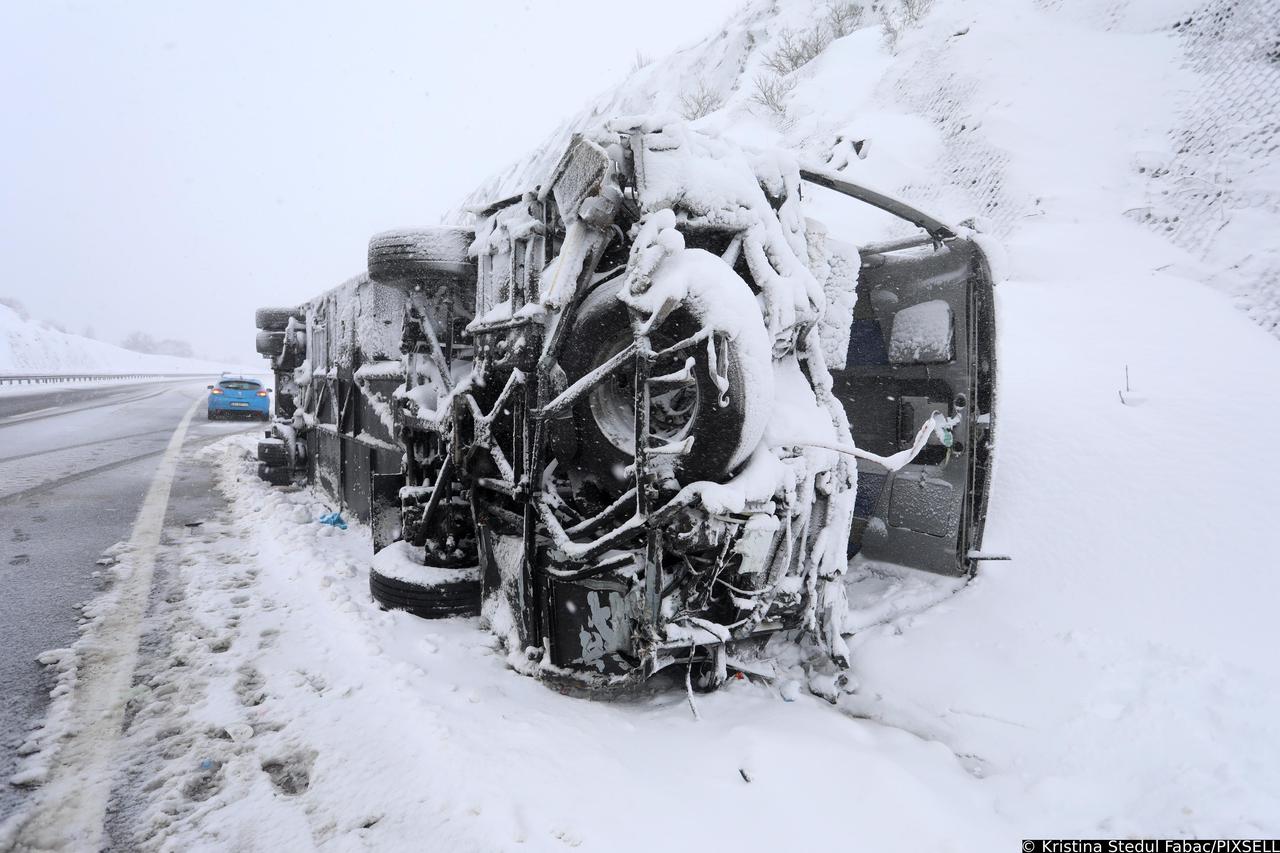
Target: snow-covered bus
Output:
{"points": [[646, 412]]}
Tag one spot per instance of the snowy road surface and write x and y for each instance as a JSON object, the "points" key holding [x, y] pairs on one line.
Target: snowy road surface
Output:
{"points": [[72, 476]]}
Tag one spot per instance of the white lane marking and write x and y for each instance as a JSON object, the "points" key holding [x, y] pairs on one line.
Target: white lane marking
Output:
{"points": [[30, 414], [69, 810]]}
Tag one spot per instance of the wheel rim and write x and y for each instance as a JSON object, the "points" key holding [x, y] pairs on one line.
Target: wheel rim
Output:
{"points": [[673, 409]]}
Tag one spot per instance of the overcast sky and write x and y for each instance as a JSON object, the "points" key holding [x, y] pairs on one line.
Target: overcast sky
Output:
{"points": [[170, 166]]}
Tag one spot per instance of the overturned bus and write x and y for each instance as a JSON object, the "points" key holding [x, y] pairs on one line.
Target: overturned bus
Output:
{"points": [[644, 413]]}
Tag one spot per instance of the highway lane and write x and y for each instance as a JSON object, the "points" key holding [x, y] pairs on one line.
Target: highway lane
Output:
{"points": [[72, 479], [19, 402]]}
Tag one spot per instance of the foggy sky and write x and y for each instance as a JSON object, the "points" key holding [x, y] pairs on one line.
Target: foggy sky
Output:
{"points": [[170, 166]]}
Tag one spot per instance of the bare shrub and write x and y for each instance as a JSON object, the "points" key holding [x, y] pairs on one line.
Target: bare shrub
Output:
{"points": [[896, 17], [771, 93], [914, 10], [843, 18], [794, 49], [700, 102], [891, 25], [641, 60]]}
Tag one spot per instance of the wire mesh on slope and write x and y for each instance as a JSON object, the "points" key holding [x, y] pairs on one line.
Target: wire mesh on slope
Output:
{"points": [[1223, 175], [1215, 190], [969, 165]]}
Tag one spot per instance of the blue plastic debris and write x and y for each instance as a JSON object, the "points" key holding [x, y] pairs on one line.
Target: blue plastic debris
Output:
{"points": [[333, 519], [206, 764]]}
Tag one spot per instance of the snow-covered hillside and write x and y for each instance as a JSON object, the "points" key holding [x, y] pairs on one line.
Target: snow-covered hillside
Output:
{"points": [[30, 347], [1162, 112]]}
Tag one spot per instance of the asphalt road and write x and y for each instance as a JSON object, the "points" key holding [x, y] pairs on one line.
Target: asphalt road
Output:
{"points": [[72, 478]]}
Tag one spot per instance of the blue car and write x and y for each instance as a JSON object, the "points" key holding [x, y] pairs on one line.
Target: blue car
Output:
{"points": [[237, 396]]}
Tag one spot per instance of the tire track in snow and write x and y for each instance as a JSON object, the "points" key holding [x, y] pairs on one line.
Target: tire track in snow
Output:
{"points": [[69, 810]]}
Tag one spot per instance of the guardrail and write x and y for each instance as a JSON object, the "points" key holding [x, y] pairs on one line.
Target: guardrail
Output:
{"points": [[52, 378]]}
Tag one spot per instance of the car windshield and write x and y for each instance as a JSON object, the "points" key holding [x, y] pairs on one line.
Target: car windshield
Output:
{"points": [[239, 385]]}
